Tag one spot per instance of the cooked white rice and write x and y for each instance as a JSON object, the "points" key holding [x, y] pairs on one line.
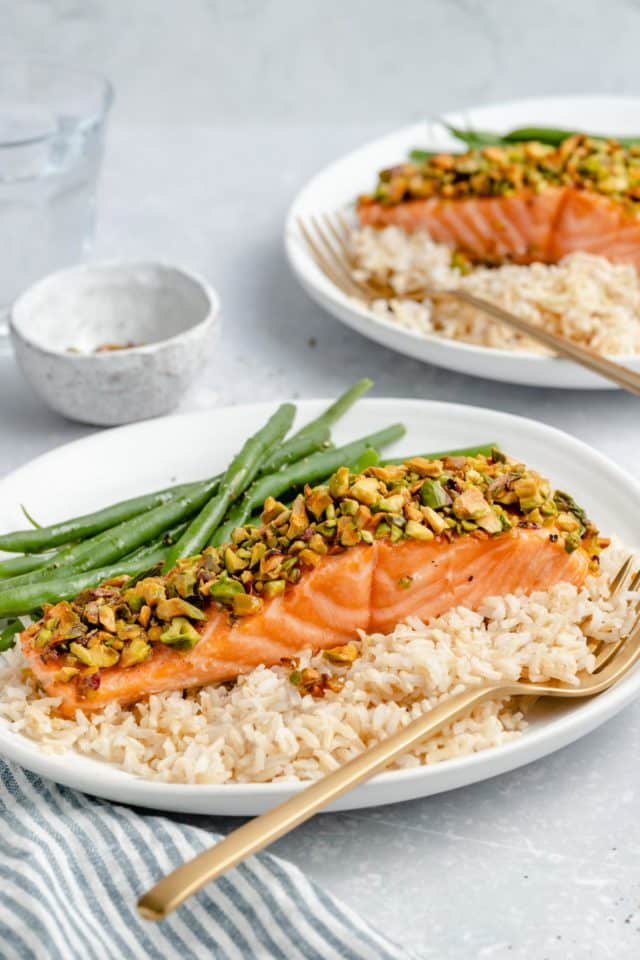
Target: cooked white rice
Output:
{"points": [[584, 297], [262, 729]]}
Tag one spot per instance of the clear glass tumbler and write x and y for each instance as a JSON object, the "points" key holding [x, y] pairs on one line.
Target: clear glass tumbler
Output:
{"points": [[52, 121]]}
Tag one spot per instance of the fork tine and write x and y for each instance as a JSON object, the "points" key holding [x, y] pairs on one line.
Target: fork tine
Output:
{"points": [[340, 237], [606, 652], [626, 654], [344, 225], [618, 581], [325, 265], [635, 583], [335, 258]]}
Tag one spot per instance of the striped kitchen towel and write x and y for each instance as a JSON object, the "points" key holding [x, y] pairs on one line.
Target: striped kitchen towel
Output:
{"points": [[72, 868]]}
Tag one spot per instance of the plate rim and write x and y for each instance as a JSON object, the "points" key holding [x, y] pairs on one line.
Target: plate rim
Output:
{"points": [[466, 769]]}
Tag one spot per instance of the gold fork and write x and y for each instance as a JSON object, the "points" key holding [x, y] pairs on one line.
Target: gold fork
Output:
{"points": [[613, 661], [327, 238]]}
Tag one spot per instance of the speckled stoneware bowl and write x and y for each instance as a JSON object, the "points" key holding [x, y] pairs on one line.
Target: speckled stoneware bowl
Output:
{"points": [[57, 325]]}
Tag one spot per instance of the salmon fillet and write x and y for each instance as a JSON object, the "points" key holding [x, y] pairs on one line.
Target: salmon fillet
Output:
{"points": [[521, 228], [359, 589], [361, 553], [486, 229], [518, 202]]}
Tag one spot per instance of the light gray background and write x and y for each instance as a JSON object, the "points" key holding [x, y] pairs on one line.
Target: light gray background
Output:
{"points": [[223, 110]]}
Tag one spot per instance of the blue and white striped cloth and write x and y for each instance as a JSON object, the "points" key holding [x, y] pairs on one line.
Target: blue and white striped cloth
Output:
{"points": [[72, 869]]}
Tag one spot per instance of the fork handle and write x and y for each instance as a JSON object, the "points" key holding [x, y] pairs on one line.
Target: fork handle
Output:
{"points": [[609, 369], [258, 833]]}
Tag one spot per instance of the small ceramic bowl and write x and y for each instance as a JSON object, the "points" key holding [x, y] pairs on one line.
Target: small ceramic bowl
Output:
{"points": [[57, 325]]}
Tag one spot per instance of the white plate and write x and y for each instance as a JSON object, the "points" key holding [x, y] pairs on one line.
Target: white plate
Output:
{"points": [[129, 460], [340, 183]]}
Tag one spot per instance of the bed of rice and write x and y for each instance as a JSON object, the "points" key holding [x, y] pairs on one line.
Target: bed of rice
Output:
{"points": [[262, 729], [584, 297]]}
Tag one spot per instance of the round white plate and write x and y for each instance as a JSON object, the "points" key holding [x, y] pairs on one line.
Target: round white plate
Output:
{"points": [[130, 460], [338, 185]]}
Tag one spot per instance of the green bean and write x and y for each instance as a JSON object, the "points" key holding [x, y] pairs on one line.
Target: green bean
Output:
{"points": [[475, 138], [31, 520], [314, 469], [80, 528], [317, 467], [368, 458], [15, 566], [241, 510], [420, 156], [9, 633], [554, 136], [237, 478], [25, 598], [121, 540], [482, 450], [298, 446], [551, 136]]}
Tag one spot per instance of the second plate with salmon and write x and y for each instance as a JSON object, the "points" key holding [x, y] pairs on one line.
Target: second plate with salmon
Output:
{"points": [[529, 205], [351, 598]]}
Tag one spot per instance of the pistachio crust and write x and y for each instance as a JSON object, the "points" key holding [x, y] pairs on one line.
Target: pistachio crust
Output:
{"points": [[120, 622], [602, 166]]}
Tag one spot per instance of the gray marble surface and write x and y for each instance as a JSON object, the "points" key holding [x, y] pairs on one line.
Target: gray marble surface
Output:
{"points": [[223, 111]]}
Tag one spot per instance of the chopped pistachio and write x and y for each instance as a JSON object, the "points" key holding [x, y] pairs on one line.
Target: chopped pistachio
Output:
{"points": [[339, 483], [490, 522], [42, 637], [224, 588], [395, 533], [382, 530], [418, 531], [389, 473], [274, 588], [245, 604], [424, 467], [317, 501], [96, 657], [137, 651], [434, 495], [181, 634], [258, 551], [567, 523], [366, 490], [65, 674], [310, 557], [437, 523], [107, 618], [233, 562], [317, 544], [564, 502], [344, 654], [168, 609], [470, 504], [272, 509], [393, 504], [299, 519]]}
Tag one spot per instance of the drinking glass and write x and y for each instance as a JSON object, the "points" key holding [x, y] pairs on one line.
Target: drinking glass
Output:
{"points": [[52, 122]]}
